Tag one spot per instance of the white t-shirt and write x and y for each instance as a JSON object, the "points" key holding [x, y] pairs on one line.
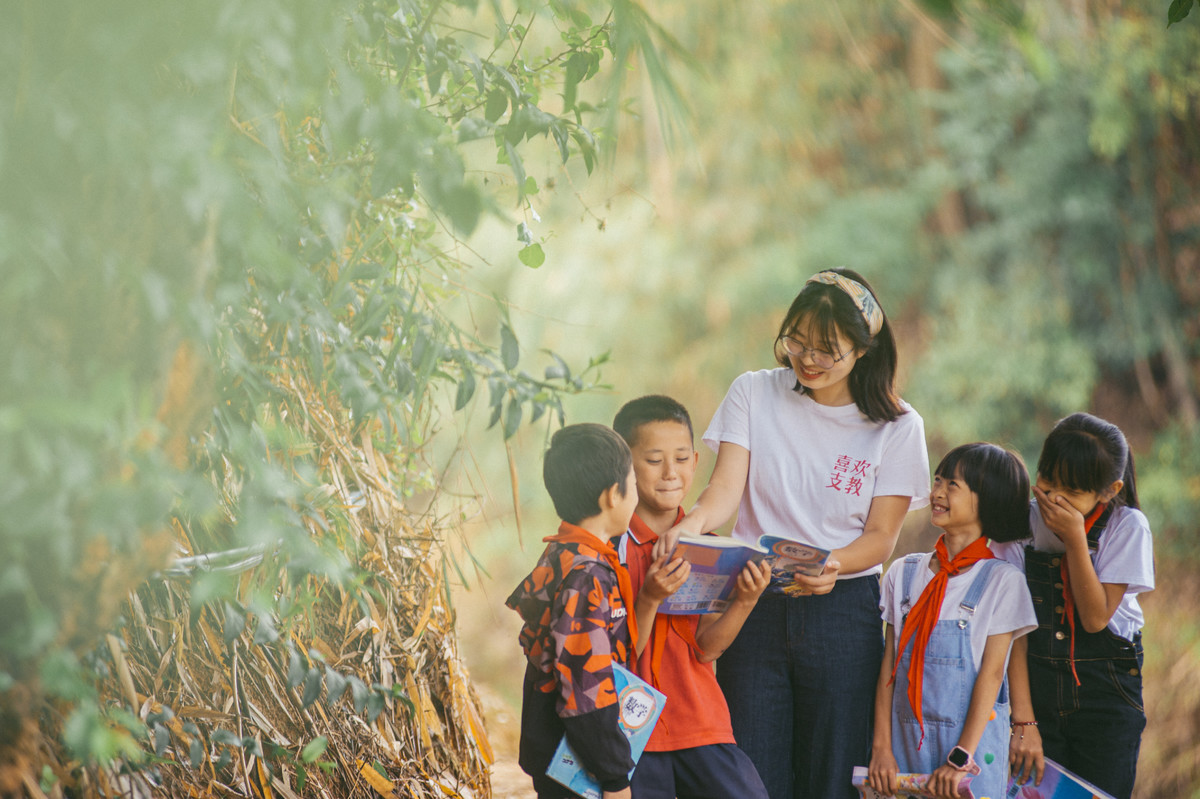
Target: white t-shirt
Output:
{"points": [[1125, 555], [1004, 607], [814, 469]]}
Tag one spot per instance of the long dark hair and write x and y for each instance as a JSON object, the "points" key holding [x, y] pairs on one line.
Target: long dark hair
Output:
{"points": [[830, 311], [1086, 453]]}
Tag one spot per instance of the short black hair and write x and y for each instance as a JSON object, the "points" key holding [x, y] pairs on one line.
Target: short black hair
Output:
{"points": [[999, 478], [584, 461], [830, 310], [648, 409]]}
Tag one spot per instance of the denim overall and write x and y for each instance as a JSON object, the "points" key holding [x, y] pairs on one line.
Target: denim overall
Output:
{"points": [[946, 694], [1095, 728]]}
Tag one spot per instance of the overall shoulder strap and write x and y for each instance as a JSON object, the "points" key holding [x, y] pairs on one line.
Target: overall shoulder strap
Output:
{"points": [[983, 572], [912, 562]]}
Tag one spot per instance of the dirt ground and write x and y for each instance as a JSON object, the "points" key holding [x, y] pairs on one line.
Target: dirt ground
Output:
{"points": [[503, 724]]}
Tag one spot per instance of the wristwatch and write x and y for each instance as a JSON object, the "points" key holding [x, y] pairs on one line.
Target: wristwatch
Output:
{"points": [[961, 760]]}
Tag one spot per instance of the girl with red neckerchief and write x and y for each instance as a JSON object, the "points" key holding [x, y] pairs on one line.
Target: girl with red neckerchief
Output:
{"points": [[1077, 696], [941, 703]]}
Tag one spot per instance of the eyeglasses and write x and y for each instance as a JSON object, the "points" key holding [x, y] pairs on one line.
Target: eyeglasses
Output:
{"points": [[824, 360]]}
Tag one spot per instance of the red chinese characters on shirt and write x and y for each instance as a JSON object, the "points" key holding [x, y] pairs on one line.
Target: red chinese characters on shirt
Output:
{"points": [[847, 475]]}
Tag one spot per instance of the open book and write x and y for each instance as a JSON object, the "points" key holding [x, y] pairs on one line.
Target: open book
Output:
{"points": [[640, 706], [718, 560], [1057, 783]]}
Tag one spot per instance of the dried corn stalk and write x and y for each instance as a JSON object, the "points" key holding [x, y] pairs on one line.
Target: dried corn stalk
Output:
{"points": [[218, 691]]}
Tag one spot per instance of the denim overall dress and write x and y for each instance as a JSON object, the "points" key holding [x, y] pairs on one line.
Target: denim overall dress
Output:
{"points": [[946, 693], [1094, 728]]}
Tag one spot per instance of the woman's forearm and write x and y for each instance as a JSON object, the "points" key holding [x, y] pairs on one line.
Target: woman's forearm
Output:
{"points": [[878, 538]]}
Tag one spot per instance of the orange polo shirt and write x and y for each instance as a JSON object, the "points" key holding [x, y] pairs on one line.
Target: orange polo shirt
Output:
{"points": [[695, 713]]}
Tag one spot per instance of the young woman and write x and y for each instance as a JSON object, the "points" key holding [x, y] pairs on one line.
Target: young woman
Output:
{"points": [[820, 450], [941, 707], [1090, 555]]}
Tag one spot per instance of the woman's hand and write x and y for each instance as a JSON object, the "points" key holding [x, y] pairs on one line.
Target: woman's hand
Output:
{"points": [[1026, 760], [823, 583], [666, 542]]}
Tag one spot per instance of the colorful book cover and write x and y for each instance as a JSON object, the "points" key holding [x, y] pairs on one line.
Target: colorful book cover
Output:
{"points": [[716, 563], [911, 786], [788, 558], [640, 704], [1057, 783]]}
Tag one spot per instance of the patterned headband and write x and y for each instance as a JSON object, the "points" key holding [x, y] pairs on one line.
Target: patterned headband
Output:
{"points": [[871, 312]]}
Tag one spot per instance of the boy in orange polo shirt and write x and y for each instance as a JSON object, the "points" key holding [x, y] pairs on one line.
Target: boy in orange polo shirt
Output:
{"points": [[692, 753]]}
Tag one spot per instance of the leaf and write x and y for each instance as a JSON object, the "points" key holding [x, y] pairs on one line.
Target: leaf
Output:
{"points": [[265, 632], [464, 203], [497, 104], [562, 139], [476, 67], [518, 166], [532, 256], [510, 351], [314, 749], [223, 736], [472, 128], [524, 234], [1178, 11], [312, 687], [466, 389], [559, 369], [162, 737], [296, 669], [335, 686], [380, 783], [235, 622], [359, 693], [195, 753], [375, 706], [512, 418]]}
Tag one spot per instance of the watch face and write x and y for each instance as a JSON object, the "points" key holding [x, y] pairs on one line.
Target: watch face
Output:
{"points": [[959, 757]]}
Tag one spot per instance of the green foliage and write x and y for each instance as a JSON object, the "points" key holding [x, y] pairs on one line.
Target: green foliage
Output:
{"points": [[1178, 11], [214, 218]]}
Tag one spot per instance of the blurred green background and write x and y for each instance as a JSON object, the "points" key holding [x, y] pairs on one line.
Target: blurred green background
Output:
{"points": [[438, 214], [1019, 183]]}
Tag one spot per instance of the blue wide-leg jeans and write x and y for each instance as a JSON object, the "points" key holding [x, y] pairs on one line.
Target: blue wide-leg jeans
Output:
{"points": [[800, 683]]}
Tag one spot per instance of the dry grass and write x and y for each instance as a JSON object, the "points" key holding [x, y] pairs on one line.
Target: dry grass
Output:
{"points": [[218, 688]]}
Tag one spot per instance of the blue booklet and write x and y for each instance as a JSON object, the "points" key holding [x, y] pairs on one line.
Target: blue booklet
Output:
{"points": [[640, 706]]}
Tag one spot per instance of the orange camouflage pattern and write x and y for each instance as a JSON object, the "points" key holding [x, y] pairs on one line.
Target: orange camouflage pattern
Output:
{"points": [[576, 623]]}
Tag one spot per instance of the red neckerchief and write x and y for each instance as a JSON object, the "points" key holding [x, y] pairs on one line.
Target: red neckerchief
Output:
{"points": [[1068, 614], [923, 616], [571, 534], [662, 621]]}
